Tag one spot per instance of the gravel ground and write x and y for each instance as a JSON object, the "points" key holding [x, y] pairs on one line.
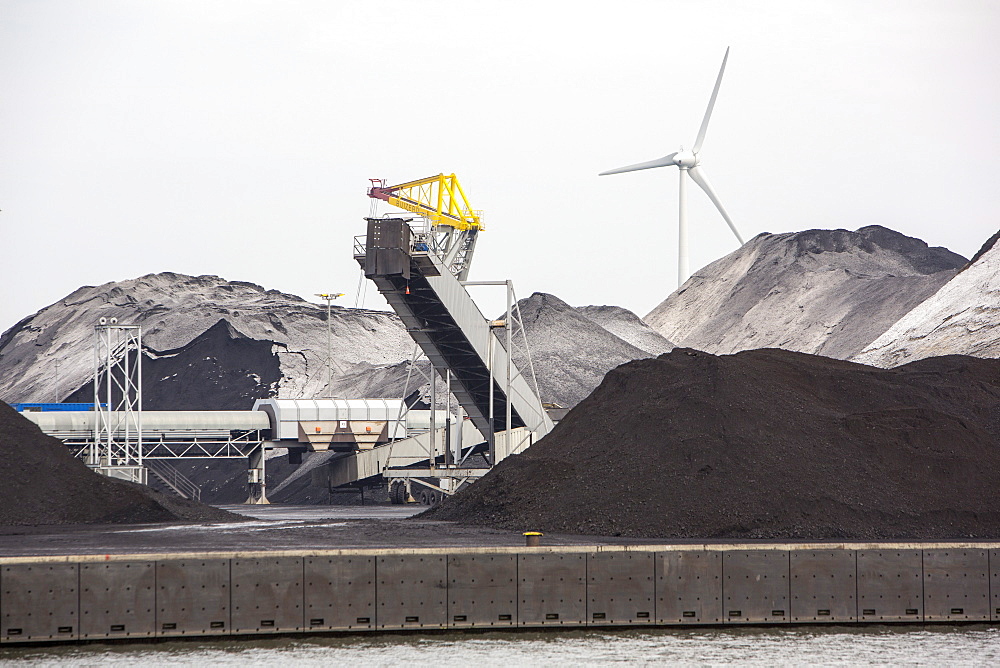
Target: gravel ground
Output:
{"points": [[266, 528]]}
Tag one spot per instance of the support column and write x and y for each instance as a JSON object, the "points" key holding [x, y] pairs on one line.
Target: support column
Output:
{"points": [[682, 230], [447, 420], [510, 358], [460, 423], [432, 441], [117, 449], [492, 435], [256, 481]]}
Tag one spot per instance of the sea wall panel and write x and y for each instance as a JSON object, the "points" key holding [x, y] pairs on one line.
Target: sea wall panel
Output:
{"points": [[755, 586], [688, 587], [482, 590], [621, 588], [118, 599], [823, 586], [267, 595], [956, 585], [552, 589], [890, 586], [412, 591], [192, 597], [994, 556], [340, 593], [39, 602]]}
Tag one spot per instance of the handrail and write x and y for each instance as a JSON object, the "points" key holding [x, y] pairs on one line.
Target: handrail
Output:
{"points": [[174, 479]]}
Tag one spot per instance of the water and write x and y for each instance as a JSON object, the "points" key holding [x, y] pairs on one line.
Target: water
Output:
{"points": [[820, 646]]}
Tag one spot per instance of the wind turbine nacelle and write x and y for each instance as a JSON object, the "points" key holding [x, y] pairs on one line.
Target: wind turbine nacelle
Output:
{"points": [[686, 160]]}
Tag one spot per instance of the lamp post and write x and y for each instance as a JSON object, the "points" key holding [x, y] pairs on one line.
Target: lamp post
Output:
{"points": [[329, 297]]}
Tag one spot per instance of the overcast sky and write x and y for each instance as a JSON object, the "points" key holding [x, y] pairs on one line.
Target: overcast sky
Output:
{"points": [[237, 138]]}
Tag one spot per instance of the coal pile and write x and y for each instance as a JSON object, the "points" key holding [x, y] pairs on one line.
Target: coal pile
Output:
{"points": [[44, 484], [764, 444], [958, 319], [824, 292], [572, 348], [207, 339], [220, 370]]}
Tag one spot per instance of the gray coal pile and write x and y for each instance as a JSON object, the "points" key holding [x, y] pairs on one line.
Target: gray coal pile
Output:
{"points": [[43, 484], [209, 342], [958, 319], [825, 292], [572, 348], [764, 444]]}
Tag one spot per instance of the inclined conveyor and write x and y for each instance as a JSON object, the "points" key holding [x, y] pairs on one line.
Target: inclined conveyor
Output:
{"points": [[442, 318]]}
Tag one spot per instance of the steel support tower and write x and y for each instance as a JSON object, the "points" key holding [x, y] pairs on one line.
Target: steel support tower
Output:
{"points": [[116, 450]]}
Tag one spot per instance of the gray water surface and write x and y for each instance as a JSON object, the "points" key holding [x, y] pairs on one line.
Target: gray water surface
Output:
{"points": [[827, 646]]}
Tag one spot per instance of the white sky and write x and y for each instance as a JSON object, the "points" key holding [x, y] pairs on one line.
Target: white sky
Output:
{"points": [[237, 138]]}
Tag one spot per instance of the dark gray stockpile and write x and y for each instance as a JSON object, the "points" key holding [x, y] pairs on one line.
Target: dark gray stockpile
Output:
{"points": [[210, 343], [220, 370], [762, 444], [44, 484], [572, 348]]}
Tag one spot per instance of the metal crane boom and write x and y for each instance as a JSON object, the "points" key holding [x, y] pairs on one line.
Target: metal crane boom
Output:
{"points": [[451, 226], [438, 198]]}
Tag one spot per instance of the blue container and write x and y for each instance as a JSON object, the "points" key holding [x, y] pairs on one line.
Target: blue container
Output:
{"points": [[20, 408]]}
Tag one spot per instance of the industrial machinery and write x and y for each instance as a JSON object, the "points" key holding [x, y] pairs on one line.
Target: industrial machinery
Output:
{"points": [[451, 227], [422, 271], [298, 425]]}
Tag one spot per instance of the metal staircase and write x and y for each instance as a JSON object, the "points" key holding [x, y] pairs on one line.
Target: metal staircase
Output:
{"points": [[173, 479]]}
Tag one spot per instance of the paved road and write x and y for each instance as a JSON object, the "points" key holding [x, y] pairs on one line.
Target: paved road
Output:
{"points": [[270, 528], [277, 527], [283, 512]]}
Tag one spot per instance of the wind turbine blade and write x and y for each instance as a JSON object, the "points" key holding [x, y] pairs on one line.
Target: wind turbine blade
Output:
{"points": [[711, 105], [699, 177], [665, 161]]}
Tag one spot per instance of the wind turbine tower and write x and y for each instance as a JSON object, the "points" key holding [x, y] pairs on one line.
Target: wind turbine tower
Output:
{"points": [[688, 164]]}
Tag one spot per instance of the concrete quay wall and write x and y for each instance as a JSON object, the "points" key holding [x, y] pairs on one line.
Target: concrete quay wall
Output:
{"points": [[73, 598]]}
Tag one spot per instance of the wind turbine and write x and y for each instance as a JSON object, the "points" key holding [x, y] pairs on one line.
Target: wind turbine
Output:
{"points": [[688, 163]]}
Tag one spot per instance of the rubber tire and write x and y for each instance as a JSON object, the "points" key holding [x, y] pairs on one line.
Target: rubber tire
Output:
{"points": [[425, 498], [396, 493]]}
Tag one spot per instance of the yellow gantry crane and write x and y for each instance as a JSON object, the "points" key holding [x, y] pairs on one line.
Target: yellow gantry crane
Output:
{"points": [[452, 225], [439, 198]]}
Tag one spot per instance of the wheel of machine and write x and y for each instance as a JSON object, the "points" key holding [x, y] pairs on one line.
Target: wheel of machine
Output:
{"points": [[425, 498], [432, 499], [397, 490]]}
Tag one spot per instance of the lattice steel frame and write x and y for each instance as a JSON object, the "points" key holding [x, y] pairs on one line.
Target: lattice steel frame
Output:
{"points": [[117, 447]]}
